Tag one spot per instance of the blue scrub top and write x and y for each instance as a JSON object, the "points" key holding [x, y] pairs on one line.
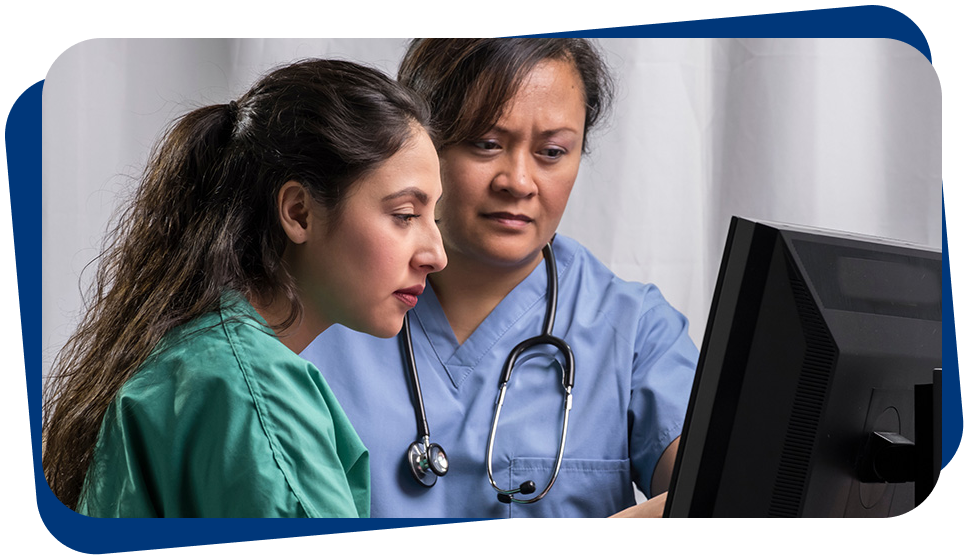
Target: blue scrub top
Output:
{"points": [[634, 367]]}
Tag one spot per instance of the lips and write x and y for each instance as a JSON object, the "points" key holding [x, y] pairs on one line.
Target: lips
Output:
{"points": [[508, 219], [409, 295]]}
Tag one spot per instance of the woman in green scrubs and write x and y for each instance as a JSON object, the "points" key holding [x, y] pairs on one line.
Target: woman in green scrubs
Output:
{"points": [[259, 223]]}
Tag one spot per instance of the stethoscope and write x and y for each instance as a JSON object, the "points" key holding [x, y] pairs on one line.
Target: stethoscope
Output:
{"points": [[428, 461]]}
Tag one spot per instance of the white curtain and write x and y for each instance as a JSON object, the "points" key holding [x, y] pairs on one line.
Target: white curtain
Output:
{"points": [[842, 134]]}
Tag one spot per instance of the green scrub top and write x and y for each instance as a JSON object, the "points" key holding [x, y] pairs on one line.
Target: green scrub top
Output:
{"points": [[224, 421]]}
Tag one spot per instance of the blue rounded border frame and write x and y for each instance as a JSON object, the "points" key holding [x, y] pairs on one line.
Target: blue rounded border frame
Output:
{"points": [[941, 34]]}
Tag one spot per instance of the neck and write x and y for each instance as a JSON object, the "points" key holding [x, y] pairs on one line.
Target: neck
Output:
{"points": [[297, 336], [469, 290]]}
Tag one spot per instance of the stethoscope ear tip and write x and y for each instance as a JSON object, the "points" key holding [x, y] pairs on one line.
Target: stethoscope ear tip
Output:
{"points": [[526, 487]]}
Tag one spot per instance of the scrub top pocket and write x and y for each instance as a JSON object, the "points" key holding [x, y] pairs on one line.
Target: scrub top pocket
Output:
{"points": [[596, 487]]}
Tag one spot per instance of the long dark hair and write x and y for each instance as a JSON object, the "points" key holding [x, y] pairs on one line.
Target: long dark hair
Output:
{"points": [[468, 82], [204, 220]]}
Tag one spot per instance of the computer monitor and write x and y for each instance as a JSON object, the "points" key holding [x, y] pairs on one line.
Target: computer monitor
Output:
{"points": [[817, 391]]}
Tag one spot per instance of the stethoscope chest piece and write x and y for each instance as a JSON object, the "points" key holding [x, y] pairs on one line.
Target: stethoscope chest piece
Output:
{"points": [[427, 462]]}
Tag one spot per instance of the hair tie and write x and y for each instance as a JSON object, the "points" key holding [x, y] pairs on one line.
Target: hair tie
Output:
{"points": [[233, 110]]}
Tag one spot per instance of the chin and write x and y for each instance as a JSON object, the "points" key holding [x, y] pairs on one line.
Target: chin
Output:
{"points": [[514, 253], [384, 329]]}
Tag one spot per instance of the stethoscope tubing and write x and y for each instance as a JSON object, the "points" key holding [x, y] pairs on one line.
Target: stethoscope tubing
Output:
{"points": [[568, 381], [558, 459], [423, 431]]}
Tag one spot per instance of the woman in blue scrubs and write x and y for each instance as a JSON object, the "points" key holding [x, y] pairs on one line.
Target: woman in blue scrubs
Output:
{"points": [[257, 225], [514, 117]]}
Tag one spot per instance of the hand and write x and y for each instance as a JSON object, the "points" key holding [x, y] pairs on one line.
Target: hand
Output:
{"points": [[650, 508]]}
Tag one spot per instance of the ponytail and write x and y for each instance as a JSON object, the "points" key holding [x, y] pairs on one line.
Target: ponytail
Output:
{"points": [[147, 282]]}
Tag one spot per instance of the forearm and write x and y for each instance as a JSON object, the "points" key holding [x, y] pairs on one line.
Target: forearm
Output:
{"points": [[662, 475]]}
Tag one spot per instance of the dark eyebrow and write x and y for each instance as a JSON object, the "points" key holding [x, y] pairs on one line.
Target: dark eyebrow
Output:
{"points": [[545, 133], [417, 193]]}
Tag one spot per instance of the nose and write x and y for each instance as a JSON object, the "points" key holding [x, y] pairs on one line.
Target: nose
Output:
{"points": [[516, 175], [430, 256]]}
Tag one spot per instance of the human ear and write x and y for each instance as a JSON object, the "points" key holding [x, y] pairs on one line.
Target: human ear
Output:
{"points": [[294, 206]]}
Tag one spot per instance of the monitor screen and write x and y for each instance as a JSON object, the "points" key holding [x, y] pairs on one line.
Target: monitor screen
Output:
{"points": [[818, 386]]}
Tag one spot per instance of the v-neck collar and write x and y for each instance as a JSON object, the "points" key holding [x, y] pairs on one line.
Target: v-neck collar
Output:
{"points": [[460, 360]]}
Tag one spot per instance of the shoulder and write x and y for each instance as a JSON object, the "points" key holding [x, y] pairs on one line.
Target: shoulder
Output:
{"points": [[226, 362], [220, 356], [222, 395], [187, 354], [586, 276]]}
